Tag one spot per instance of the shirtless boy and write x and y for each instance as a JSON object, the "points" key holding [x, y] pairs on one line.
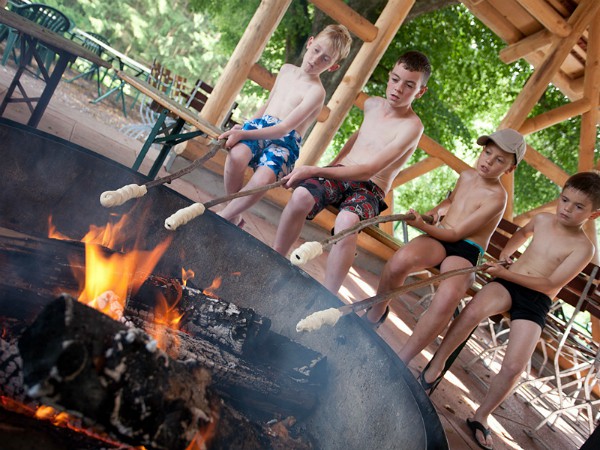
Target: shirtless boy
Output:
{"points": [[469, 216], [270, 141], [558, 251], [359, 178]]}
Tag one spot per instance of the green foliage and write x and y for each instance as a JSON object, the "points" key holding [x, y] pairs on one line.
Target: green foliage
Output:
{"points": [[470, 90], [153, 29]]}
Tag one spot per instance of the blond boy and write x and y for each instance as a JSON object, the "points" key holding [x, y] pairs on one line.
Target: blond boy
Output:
{"points": [[558, 251], [456, 241], [270, 141], [359, 178]]}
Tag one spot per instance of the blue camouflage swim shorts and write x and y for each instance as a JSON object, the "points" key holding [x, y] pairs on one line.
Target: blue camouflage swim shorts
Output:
{"points": [[279, 155]]}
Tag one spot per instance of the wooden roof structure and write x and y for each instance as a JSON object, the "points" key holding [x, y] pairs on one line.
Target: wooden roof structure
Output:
{"points": [[559, 38]]}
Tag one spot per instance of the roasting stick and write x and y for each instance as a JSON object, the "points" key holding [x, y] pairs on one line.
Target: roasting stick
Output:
{"points": [[186, 214], [312, 249], [108, 199], [330, 316]]}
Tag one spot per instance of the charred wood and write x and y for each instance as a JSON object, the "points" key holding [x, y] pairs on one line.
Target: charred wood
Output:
{"points": [[79, 360]]}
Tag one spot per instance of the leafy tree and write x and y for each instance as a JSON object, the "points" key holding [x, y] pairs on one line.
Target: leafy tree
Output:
{"points": [[146, 30]]}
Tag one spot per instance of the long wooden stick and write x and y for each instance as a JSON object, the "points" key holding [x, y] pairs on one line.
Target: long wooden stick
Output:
{"points": [[184, 215], [214, 148], [368, 222], [331, 316], [109, 199], [312, 249]]}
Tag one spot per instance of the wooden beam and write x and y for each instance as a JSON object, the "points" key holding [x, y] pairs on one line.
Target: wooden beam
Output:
{"points": [[591, 90], [547, 16], [560, 48], [343, 14], [432, 148], [416, 170], [554, 116], [388, 227], [361, 68], [545, 166], [248, 50], [495, 21], [524, 47]]}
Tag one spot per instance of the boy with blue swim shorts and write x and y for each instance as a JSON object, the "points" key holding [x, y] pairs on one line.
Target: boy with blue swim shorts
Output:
{"points": [[270, 141], [279, 155], [558, 251], [464, 224]]}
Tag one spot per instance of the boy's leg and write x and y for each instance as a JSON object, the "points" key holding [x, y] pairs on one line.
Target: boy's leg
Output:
{"points": [[261, 177], [292, 220], [418, 254], [522, 340], [342, 253], [235, 166], [491, 300], [439, 313]]}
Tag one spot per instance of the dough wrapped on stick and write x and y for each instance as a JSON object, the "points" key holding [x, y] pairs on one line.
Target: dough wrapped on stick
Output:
{"points": [[109, 199], [331, 316], [188, 213], [312, 249]]}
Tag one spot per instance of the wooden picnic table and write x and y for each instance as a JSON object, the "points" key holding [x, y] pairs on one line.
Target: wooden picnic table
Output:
{"points": [[171, 135], [33, 34]]}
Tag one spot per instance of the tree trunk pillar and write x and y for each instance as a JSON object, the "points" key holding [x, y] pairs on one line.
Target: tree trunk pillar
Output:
{"points": [[248, 51], [357, 75]]}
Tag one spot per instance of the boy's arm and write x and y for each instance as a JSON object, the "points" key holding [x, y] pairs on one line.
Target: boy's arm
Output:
{"points": [[404, 145], [492, 208], [345, 149], [562, 274]]}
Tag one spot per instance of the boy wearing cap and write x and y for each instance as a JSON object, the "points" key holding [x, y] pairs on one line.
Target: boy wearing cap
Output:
{"points": [[558, 251], [462, 228]]}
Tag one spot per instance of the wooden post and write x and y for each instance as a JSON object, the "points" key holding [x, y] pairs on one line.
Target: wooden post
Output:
{"points": [[357, 75], [388, 227], [248, 51], [591, 91]]}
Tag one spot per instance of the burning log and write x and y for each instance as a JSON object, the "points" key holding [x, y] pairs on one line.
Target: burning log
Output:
{"points": [[254, 368], [78, 359]]}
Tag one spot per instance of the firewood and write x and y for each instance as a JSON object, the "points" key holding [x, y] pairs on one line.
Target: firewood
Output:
{"points": [[78, 359]]}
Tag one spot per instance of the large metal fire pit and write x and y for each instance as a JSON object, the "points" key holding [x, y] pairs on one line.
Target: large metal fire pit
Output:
{"points": [[372, 400]]}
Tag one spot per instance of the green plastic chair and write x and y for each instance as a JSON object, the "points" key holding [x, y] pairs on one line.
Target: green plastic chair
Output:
{"points": [[92, 70], [44, 15]]}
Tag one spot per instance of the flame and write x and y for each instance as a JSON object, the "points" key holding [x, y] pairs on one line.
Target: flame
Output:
{"points": [[186, 274], [204, 436], [165, 316], [216, 284], [110, 277]]}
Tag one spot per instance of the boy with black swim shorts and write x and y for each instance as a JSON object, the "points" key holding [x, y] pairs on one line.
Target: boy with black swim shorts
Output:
{"points": [[464, 225], [558, 252], [357, 180], [270, 141]]}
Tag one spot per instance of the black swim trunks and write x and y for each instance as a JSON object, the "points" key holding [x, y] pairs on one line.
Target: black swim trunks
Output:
{"points": [[465, 249], [363, 198], [527, 304]]}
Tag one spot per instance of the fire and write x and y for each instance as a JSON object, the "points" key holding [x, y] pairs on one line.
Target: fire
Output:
{"points": [[110, 277], [186, 275], [165, 316], [216, 284]]}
